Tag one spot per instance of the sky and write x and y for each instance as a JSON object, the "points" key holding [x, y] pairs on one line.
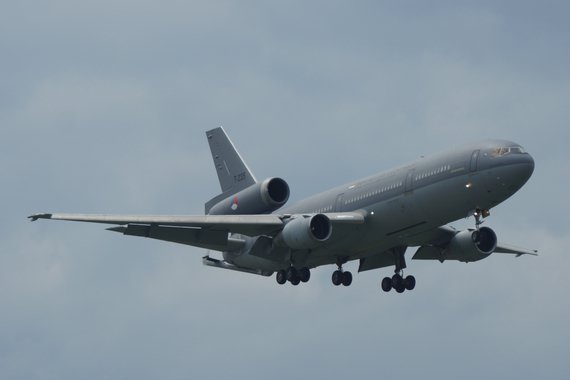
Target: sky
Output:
{"points": [[103, 109]]}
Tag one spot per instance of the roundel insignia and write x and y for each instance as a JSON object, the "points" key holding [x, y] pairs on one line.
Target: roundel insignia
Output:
{"points": [[235, 203]]}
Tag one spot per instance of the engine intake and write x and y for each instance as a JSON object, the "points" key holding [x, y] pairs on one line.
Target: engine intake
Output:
{"points": [[260, 198], [306, 233]]}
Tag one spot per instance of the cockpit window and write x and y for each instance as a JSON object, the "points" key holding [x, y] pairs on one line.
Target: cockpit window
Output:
{"points": [[498, 152]]}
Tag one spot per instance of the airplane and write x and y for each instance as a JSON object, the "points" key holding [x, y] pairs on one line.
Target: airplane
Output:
{"points": [[373, 220]]}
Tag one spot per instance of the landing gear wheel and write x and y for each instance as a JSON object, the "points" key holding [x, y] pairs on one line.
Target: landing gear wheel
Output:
{"points": [[281, 277], [337, 278], [386, 284], [346, 278], [410, 282], [291, 273], [304, 274], [295, 281], [398, 283]]}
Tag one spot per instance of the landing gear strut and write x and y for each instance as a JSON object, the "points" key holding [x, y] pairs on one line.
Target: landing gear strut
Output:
{"points": [[341, 277], [398, 282], [478, 214]]}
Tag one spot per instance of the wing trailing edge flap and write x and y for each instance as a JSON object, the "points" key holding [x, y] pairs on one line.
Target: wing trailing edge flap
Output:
{"points": [[381, 260], [211, 262], [429, 252], [198, 237]]}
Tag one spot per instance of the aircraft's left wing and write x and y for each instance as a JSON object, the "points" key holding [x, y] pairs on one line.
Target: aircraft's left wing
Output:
{"points": [[240, 224], [205, 231]]}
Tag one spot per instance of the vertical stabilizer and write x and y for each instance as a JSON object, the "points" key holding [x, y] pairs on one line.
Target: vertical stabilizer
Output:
{"points": [[233, 173]]}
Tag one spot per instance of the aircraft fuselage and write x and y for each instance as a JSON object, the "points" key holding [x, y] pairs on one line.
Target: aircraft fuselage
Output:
{"points": [[406, 201]]}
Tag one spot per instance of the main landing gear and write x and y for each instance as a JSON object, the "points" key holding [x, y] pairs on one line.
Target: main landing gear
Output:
{"points": [[341, 277], [398, 282], [293, 275]]}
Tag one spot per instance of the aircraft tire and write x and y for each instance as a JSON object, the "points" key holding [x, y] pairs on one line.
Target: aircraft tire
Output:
{"points": [[295, 281], [386, 284], [281, 277], [346, 278], [304, 274], [291, 273], [410, 282], [337, 278], [397, 281]]}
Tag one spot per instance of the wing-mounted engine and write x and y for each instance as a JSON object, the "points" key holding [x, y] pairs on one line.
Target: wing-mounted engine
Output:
{"points": [[259, 198], [472, 245], [467, 246], [305, 232]]}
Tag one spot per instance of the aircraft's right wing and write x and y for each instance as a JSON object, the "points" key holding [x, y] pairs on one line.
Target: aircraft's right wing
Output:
{"points": [[434, 245]]}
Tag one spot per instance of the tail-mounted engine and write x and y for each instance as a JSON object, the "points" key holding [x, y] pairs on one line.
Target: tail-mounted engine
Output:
{"points": [[472, 245], [305, 232], [260, 198]]}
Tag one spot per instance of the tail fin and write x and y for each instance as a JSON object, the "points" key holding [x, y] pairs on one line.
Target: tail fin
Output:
{"points": [[233, 173]]}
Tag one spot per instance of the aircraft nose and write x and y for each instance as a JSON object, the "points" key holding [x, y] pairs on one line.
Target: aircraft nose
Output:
{"points": [[527, 165], [521, 168]]}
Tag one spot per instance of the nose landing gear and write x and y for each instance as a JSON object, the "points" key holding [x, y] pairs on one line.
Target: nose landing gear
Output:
{"points": [[480, 214]]}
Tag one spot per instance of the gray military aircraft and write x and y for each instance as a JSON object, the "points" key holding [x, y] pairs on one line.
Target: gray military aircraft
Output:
{"points": [[373, 220]]}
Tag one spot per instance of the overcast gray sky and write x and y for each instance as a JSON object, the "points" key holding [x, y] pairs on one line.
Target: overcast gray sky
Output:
{"points": [[103, 108]]}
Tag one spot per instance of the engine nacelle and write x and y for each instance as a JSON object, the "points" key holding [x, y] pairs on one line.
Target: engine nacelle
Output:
{"points": [[306, 233], [260, 198], [472, 245]]}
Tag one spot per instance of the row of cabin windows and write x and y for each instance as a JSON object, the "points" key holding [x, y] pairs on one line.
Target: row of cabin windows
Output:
{"points": [[374, 193], [431, 173], [324, 209]]}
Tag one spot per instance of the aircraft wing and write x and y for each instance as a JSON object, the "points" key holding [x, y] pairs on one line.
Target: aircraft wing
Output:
{"points": [[241, 224], [433, 243], [507, 248], [205, 231]]}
